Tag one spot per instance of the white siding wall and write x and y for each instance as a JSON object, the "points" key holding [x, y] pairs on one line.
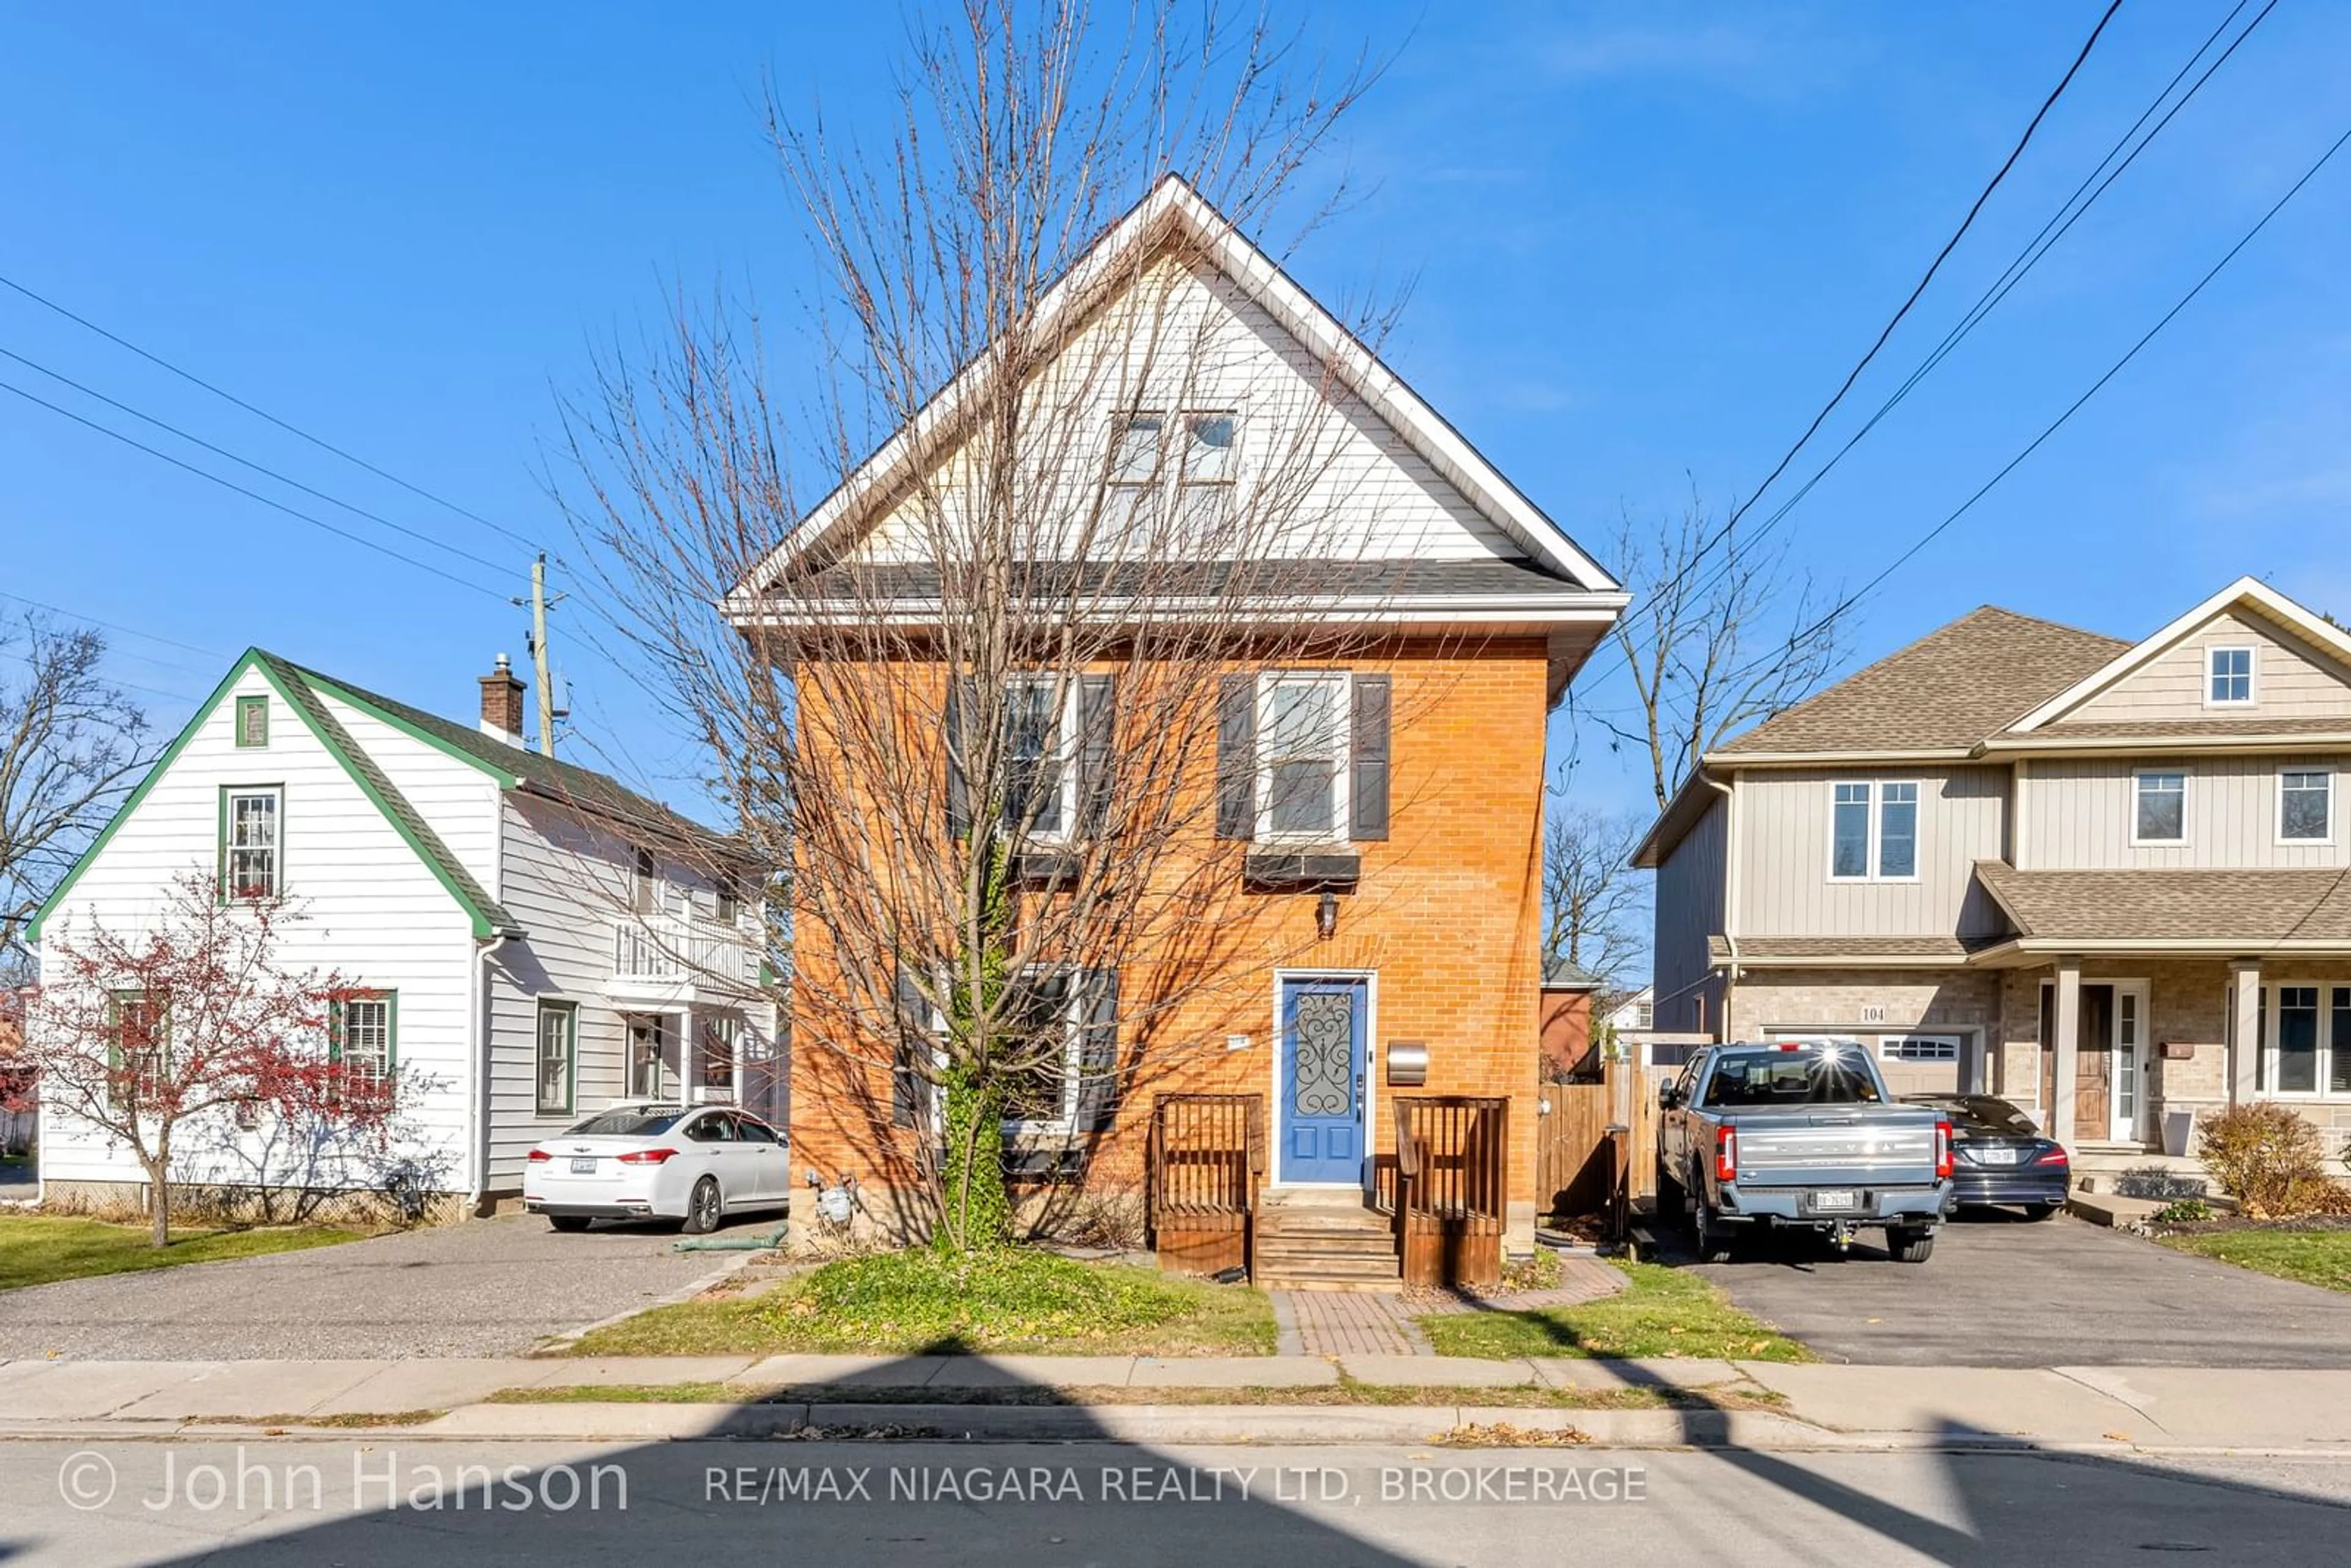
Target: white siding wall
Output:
{"points": [[1368, 495], [2291, 680], [568, 880], [457, 798], [2078, 816], [1784, 887], [1690, 908], [361, 904]]}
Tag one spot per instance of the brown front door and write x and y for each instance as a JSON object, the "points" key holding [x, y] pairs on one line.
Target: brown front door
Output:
{"points": [[2093, 1082]]}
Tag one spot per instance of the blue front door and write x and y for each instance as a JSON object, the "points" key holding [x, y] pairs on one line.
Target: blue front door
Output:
{"points": [[1321, 1116]]}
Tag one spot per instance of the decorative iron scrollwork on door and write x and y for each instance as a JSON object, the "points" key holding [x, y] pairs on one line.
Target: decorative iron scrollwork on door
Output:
{"points": [[1324, 1080]]}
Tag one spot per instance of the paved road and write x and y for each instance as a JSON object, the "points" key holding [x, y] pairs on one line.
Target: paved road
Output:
{"points": [[1113, 1503], [488, 1287], [2001, 1292]]}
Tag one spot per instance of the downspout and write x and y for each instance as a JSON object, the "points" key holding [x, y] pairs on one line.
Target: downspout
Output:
{"points": [[1730, 895], [477, 1012]]}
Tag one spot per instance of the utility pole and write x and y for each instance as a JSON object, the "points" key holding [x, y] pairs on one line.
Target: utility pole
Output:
{"points": [[538, 656]]}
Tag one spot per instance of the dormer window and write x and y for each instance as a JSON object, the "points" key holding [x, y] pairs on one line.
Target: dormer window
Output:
{"points": [[2229, 677]]}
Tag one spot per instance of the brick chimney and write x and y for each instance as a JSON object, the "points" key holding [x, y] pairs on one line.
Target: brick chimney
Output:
{"points": [[502, 704]]}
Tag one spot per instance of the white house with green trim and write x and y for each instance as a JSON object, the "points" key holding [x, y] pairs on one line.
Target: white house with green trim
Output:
{"points": [[539, 940]]}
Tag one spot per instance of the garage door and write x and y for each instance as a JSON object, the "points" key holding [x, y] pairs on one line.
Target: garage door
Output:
{"points": [[1919, 1063]]}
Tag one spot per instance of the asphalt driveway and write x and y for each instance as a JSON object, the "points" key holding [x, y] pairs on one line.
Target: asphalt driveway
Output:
{"points": [[488, 1287], [2007, 1292]]}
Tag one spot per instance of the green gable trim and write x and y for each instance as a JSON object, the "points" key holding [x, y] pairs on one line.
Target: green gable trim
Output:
{"points": [[163, 765], [437, 735], [488, 919], [487, 916]]}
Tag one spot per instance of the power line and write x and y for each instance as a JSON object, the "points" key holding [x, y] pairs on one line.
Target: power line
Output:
{"points": [[113, 626], [2075, 407], [262, 413], [376, 518], [2062, 220], [2059, 223], [1929, 276], [251, 495]]}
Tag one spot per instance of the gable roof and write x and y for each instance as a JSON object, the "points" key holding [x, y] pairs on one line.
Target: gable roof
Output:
{"points": [[516, 768], [1173, 210], [510, 766], [1948, 691], [2247, 592]]}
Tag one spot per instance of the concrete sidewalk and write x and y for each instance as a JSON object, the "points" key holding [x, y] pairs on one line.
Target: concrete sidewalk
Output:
{"points": [[1743, 1403]]}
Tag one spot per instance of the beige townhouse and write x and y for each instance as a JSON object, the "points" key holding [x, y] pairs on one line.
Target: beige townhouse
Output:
{"points": [[2107, 880]]}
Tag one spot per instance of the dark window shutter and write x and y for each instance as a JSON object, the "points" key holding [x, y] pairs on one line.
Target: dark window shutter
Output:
{"points": [[1367, 794], [1236, 757], [1098, 1052], [959, 702], [1097, 703], [909, 1090]]}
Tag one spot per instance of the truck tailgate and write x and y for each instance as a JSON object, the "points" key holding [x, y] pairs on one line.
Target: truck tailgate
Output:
{"points": [[1834, 1149]]}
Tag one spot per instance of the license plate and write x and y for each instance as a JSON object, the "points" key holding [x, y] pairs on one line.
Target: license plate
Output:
{"points": [[1999, 1157], [584, 1166], [1836, 1199]]}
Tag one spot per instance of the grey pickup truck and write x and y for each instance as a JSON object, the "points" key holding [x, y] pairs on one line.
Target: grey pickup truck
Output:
{"points": [[1799, 1134]]}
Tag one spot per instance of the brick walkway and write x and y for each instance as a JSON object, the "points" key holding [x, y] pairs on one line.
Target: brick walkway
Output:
{"points": [[1351, 1322]]}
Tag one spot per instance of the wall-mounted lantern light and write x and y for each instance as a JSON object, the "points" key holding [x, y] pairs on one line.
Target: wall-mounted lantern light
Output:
{"points": [[1326, 916]]}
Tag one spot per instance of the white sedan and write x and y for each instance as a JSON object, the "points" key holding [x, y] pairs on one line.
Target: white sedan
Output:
{"points": [[644, 1161]]}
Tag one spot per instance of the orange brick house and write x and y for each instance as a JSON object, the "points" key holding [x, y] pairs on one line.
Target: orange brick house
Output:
{"points": [[1356, 815]]}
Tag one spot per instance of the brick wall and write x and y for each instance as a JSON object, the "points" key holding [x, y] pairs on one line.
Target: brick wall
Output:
{"points": [[1447, 918]]}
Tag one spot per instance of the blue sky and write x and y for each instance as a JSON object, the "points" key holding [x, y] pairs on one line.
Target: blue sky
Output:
{"points": [[1642, 245]]}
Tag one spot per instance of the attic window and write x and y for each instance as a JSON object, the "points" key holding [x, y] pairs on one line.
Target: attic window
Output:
{"points": [[252, 722], [2229, 676]]}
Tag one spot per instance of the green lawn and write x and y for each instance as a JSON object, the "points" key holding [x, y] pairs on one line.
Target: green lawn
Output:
{"points": [[2312, 1257], [36, 1250], [1661, 1312], [904, 1304]]}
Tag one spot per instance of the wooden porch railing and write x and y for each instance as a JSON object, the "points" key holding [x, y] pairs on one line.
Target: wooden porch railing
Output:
{"points": [[1207, 1161], [1452, 1171]]}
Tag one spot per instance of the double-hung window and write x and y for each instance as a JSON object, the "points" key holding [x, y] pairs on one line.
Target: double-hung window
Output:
{"points": [[140, 1049], [1134, 474], [722, 1036], [251, 863], [558, 1038], [1040, 1046], [2229, 677], [2305, 1040], [2160, 813], [2306, 806], [1302, 756], [1873, 831], [1038, 780], [1193, 450], [362, 1037]]}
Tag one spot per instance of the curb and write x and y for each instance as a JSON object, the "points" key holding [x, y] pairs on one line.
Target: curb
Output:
{"points": [[1198, 1425], [554, 1346]]}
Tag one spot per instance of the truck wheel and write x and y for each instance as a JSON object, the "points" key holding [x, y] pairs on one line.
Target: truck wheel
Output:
{"points": [[1713, 1239], [1909, 1245], [1669, 1193]]}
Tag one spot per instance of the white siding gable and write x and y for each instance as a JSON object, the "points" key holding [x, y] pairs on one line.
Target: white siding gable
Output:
{"points": [[361, 903]]}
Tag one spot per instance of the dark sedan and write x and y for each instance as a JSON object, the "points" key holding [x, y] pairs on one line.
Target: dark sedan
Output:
{"points": [[1999, 1157]]}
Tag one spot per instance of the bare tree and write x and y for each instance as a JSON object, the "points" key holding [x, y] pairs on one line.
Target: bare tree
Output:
{"points": [[148, 1033], [1595, 905], [993, 734], [1723, 633], [72, 745]]}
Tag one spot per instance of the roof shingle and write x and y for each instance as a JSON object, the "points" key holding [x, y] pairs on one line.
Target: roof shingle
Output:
{"points": [[1947, 691], [2251, 907]]}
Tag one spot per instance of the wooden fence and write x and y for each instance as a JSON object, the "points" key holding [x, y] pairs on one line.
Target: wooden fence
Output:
{"points": [[1452, 1166], [1578, 1168], [1207, 1160]]}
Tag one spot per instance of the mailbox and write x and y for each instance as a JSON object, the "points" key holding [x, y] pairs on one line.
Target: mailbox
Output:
{"points": [[1407, 1064], [2177, 1050]]}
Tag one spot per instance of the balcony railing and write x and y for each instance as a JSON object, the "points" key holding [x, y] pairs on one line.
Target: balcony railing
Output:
{"points": [[675, 951]]}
